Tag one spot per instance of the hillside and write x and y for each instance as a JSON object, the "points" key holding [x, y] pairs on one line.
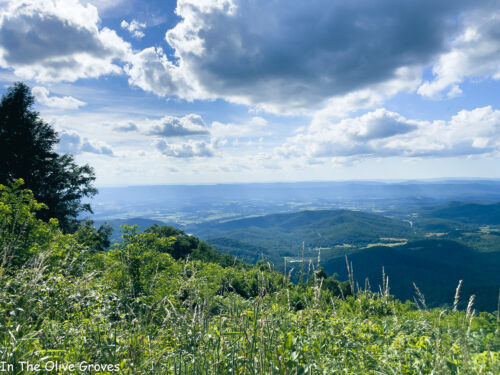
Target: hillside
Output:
{"points": [[435, 266], [465, 212], [281, 235], [409, 254], [472, 224], [320, 220]]}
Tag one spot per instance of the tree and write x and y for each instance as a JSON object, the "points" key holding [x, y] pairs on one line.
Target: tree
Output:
{"points": [[96, 239], [27, 151], [183, 245]]}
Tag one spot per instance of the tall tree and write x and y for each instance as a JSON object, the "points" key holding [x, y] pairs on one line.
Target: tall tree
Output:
{"points": [[27, 151]]}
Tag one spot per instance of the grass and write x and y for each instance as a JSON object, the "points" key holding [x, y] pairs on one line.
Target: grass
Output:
{"points": [[76, 319]]}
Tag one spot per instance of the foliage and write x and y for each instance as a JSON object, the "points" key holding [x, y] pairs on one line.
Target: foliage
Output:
{"points": [[27, 151], [97, 239], [21, 233], [185, 246], [142, 310]]}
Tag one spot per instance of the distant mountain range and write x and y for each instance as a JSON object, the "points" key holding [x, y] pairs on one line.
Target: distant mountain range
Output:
{"points": [[190, 204]]}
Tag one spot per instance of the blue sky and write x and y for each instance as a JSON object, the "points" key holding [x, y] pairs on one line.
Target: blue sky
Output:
{"points": [[214, 91]]}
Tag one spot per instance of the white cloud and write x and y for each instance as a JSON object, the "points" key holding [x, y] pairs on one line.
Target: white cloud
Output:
{"points": [[151, 70], [255, 127], [104, 5], [188, 149], [287, 56], [383, 134], [73, 143], [134, 27], [128, 126], [42, 94], [475, 53], [192, 126], [338, 107], [171, 126], [57, 40]]}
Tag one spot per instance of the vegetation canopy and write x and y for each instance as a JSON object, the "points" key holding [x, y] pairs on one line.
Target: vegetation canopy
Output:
{"points": [[27, 151]]}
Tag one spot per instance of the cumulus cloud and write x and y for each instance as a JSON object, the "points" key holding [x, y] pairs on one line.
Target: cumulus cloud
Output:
{"points": [[382, 133], [279, 56], [105, 5], [73, 143], [474, 53], [255, 127], [126, 127], [282, 55], [188, 149], [54, 40], [134, 27], [66, 102], [340, 106], [151, 70], [171, 126]]}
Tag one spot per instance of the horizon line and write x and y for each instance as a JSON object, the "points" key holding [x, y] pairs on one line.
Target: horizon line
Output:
{"points": [[386, 181]]}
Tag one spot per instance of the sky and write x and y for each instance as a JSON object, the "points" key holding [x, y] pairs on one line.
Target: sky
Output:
{"points": [[225, 91]]}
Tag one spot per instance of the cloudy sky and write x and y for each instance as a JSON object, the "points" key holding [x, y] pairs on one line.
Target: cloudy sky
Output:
{"points": [[203, 91]]}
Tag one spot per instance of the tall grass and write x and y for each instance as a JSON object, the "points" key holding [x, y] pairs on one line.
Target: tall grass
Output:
{"points": [[72, 314]]}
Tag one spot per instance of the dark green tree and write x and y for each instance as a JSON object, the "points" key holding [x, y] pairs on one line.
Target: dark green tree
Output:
{"points": [[27, 151]]}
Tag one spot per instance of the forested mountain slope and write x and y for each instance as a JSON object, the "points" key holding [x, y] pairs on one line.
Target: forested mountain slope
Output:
{"points": [[435, 266], [280, 235], [466, 212], [435, 261]]}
